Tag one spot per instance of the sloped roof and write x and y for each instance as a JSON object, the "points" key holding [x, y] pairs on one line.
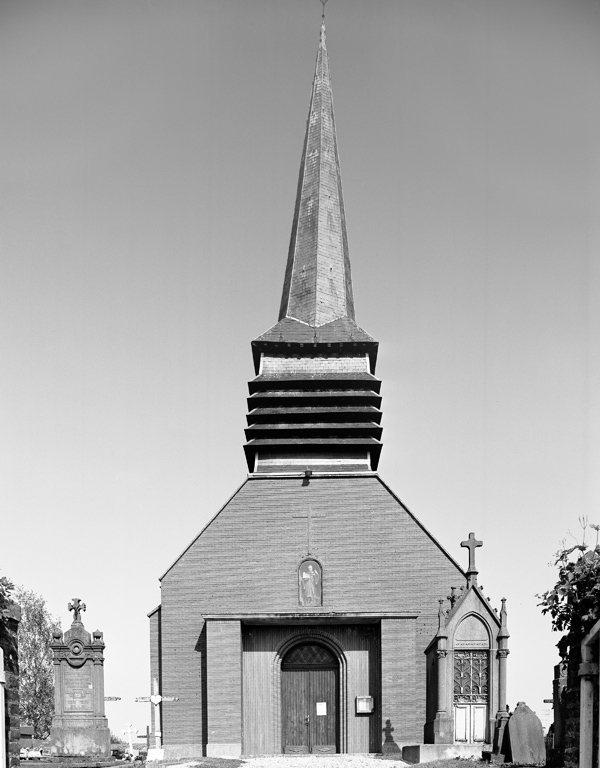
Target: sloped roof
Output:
{"points": [[342, 329]]}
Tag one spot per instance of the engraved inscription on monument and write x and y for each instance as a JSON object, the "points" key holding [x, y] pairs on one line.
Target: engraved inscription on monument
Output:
{"points": [[77, 687]]}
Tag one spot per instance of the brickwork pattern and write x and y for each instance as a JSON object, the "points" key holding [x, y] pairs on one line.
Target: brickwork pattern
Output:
{"points": [[273, 365], [374, 554], [224, 682], [402, 687]]}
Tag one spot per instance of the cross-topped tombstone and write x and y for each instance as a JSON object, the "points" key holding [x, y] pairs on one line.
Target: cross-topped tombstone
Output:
{"points": [[471, 544], [156, 699], [79, 726], [309, 518]]}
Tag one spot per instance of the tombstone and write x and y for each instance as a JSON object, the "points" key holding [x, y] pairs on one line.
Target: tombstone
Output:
{"points": [[79, 726], [524, 738]]}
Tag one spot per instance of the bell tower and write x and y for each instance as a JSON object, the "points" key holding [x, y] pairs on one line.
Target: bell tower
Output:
{"points": [[314, 404]]}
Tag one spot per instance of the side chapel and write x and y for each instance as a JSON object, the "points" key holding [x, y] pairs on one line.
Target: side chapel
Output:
{"points": [[366, 634]]}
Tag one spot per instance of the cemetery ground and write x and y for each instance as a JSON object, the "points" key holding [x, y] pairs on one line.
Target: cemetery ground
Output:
{"points": [[294, 761], [326, 761]]}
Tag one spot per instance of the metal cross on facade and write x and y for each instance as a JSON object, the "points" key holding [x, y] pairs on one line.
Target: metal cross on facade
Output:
{"points": [[309, 517], [156, 699], [471, 544], [77, 607]]}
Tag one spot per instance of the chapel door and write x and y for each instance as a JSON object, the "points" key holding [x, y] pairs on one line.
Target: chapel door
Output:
{"points": [[309, 699], [471, 696], [470, 723]]}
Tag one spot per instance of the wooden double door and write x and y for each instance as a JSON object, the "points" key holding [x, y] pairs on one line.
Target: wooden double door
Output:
{"points": [[309, 699]]}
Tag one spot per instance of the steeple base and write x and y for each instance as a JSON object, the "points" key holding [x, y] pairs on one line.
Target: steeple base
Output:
{"points": [[313, 461]]}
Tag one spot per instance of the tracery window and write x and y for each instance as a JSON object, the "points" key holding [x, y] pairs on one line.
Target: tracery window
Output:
{"points": [[471, 677]]}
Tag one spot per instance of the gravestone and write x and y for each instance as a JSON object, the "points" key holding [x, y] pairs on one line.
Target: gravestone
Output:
{"points": [[525, 737], [79, 726]]}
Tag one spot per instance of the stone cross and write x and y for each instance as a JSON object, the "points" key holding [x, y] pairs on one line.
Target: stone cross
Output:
{"points": [[77, 607], [310, 517], [156, 699], [129, 730], [471, 544]]}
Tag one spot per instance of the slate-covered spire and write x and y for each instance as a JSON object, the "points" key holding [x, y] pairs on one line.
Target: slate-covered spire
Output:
{"points": [[318, 284]]}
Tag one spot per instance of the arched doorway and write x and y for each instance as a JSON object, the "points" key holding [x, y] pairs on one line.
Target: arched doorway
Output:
{"points": [[309, 699], [471, 681]]}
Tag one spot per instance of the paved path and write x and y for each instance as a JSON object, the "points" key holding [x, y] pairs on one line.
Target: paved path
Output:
{"points": [[323, 761]]}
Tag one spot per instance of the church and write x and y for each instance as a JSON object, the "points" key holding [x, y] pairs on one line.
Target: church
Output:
{"points": [[314, 613]]}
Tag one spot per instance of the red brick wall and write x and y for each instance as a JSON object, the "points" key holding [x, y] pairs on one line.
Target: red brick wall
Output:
{"points": [[224, 682], [374, 554], [402, 689]]}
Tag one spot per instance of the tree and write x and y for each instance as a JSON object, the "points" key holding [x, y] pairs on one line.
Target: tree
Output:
{"points": [[574, 601], [36, 683]]}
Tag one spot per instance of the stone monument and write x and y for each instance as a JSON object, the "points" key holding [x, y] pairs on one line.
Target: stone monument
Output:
{"points": [[523, 742], [79, 726]]}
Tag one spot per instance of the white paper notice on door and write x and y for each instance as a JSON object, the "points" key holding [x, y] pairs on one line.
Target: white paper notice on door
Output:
{"points": [[321, 707]]}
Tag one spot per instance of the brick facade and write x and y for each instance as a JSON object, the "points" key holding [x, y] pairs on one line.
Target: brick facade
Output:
{"points": [[224, 688], [402, 688], [376, 558]]}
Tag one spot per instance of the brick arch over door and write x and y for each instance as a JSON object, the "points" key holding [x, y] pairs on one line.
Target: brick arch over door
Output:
{"points": [[300, 637]]}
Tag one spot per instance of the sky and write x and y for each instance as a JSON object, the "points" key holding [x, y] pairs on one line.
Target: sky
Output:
{"points": [[149, 162]]}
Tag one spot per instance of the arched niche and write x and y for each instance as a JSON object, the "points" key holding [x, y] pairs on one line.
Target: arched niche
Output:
{"points": [[472, 632]]}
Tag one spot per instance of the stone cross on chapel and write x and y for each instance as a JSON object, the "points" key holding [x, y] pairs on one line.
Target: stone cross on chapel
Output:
{"points": [[471, 544]]}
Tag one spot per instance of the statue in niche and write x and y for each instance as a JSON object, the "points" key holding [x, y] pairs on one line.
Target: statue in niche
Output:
{"points": [[309, 583]]}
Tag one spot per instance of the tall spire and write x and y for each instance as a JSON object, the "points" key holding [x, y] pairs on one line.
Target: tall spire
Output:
{"points": [[314, 403], [318, 284]]}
